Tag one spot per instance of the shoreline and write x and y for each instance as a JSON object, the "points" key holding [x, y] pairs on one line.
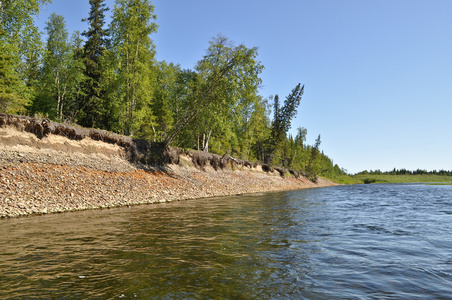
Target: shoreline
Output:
{"points": [[55, 174]]}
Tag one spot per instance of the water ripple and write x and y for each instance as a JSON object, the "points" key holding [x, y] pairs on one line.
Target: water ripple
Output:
{"points": [[348, 242]]}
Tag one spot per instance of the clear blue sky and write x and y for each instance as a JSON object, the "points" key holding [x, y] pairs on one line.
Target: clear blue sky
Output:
{"points": [[377, 74]]}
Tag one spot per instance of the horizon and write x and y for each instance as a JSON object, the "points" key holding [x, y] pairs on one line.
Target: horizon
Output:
{"points": [[376, 75]]}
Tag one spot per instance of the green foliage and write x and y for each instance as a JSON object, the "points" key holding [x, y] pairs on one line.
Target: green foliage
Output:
{"points": [[284, 115], [255, 131], [60, 87], [282, 118], [388, 178], [21, 49], [11, 99], [92, 108], [113, 81], [369, 180], [56, 69], [180, 94], [220, 93], [407, 172], [131, 27], [76, 78], [313, 167], [344, 179], [167, 75]]}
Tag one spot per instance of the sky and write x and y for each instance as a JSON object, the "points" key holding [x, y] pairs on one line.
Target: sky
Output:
{"points": [[377, 74]]}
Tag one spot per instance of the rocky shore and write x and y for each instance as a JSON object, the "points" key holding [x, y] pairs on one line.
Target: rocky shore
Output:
{"points": [[50, 174]]}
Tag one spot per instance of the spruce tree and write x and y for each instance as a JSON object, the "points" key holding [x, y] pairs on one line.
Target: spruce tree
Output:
{"points": [[92, 107], [312, 168], [282, 120]]}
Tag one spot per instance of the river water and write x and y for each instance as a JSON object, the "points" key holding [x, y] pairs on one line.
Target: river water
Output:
{"points": [[347, 242]]}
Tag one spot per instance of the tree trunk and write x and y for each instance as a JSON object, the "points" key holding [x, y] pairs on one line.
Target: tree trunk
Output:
{"points": [[203, 100], [293, 158], [249, 146], [205, 141], [57, 85]]}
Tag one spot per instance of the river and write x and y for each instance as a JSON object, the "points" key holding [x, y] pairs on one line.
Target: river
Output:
{"points": [[389, 241]]}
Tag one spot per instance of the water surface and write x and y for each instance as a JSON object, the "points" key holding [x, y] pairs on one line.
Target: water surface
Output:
{"points": [[348, 242]]}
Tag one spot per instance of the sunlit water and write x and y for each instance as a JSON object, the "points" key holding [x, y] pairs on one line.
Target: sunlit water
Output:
{"points": [[347, 242]]}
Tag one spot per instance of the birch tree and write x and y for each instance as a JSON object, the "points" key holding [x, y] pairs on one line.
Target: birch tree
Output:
{"points": [[57, 62], [20, 53], [131, 27], [227, 80]]}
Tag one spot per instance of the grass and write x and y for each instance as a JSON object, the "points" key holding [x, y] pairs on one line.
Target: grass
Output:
{"points": [[384, 178], [345, 179], [368, 178]]}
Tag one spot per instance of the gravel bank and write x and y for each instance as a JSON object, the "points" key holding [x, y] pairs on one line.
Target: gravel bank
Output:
{"points": [[55, 174]]}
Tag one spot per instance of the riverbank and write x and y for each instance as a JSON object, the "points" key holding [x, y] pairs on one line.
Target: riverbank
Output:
{"points": [[387, 178], [57, 174]]}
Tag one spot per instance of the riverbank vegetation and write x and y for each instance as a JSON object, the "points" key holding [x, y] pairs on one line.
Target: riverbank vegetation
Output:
{"points": [[108, 78], [404, 176]]}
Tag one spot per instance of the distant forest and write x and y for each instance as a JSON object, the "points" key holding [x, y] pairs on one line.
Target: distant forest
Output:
{"points": [[406, 172], [108, 78]]}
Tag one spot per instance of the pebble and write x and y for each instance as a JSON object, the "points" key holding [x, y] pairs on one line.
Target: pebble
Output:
{"points": [[86, 181]]}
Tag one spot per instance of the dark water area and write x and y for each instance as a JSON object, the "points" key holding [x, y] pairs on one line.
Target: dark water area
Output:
{"points": [[347, 242]]}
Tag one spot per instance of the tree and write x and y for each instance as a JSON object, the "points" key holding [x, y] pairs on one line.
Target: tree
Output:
{"points": [[11, 100], [180, 99], [313, 168], [300, 138], [131, 27], [282, 118], [76, 78], [163, 105], [20, 45], [56, 67], [227, 81], [60, 87], [299, 155], [92, 108], [255, 129]]}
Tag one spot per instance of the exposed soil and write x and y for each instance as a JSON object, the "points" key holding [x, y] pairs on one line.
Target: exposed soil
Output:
{"points": [[56, 174]]}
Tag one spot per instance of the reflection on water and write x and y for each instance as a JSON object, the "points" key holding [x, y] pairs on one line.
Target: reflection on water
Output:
{"points": [[379, 241]]}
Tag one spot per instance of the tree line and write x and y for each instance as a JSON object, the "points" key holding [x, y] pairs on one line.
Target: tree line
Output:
{"points": [[108, 77], [406, 172]]}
